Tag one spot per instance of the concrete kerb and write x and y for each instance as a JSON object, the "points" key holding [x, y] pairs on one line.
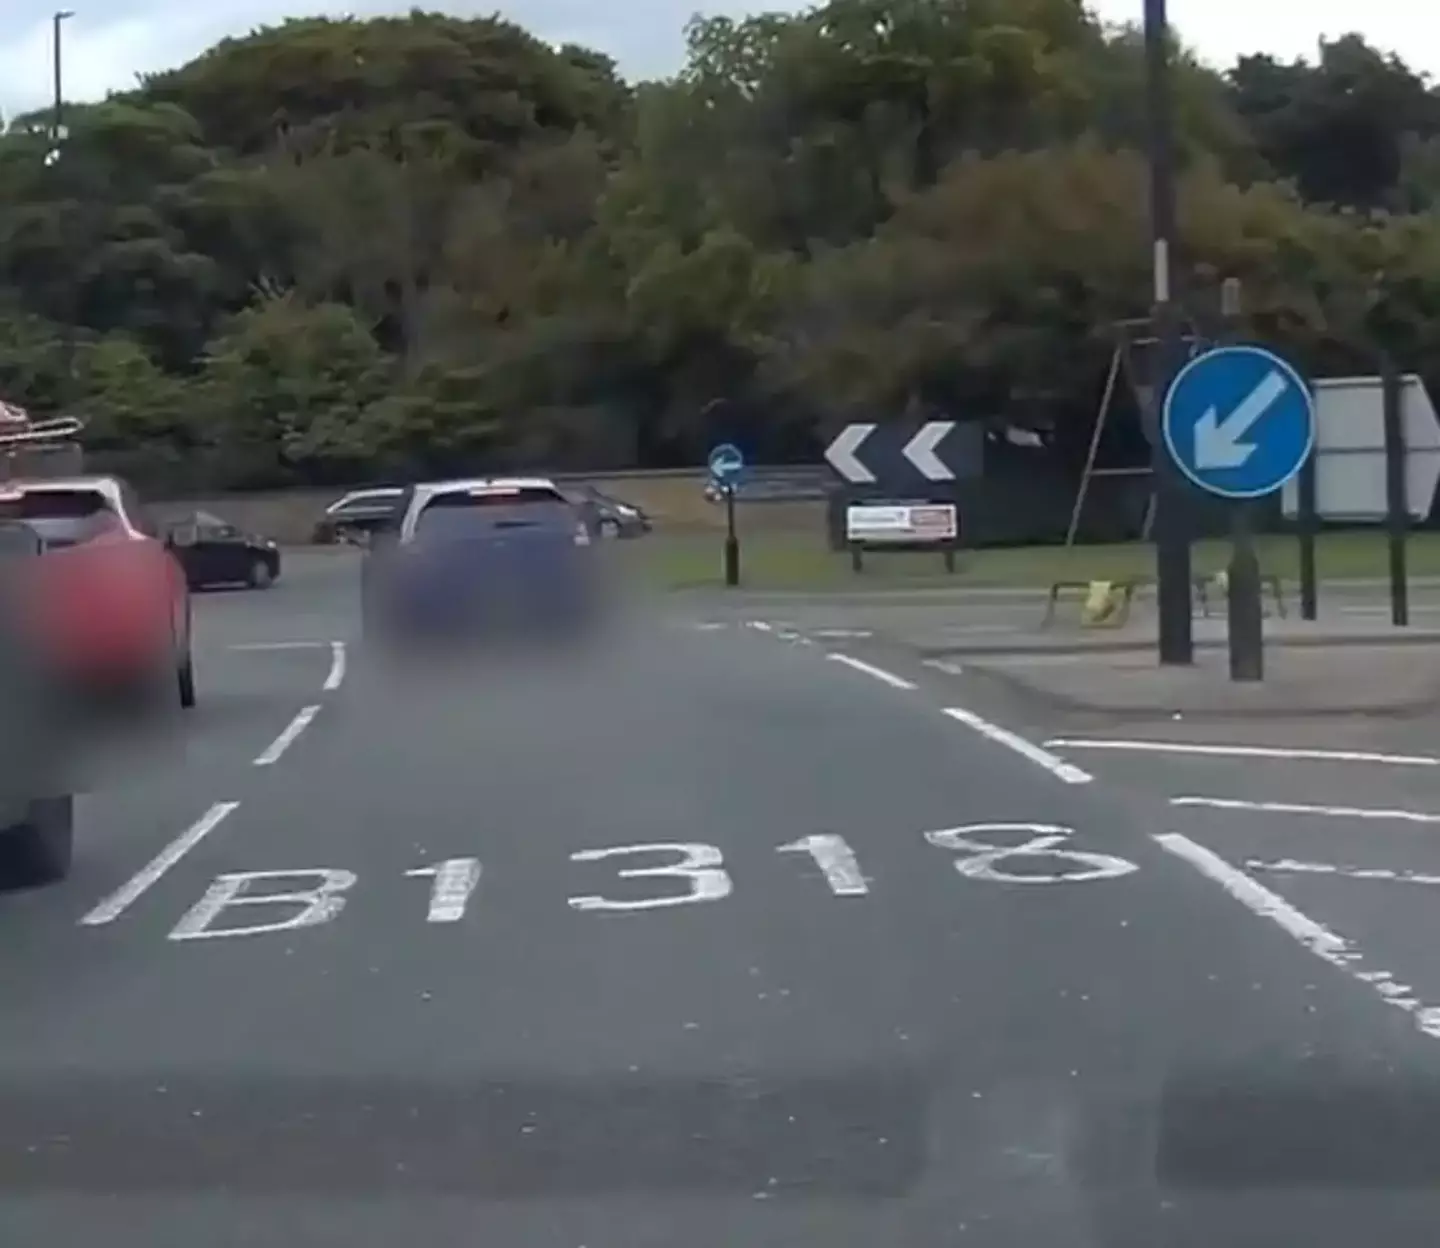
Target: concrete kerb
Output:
{"points": [[1228, 702], [1042, 648]]}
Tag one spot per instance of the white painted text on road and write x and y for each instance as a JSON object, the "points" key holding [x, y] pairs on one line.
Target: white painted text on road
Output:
{"points": [[318, 903], [699, 866]]}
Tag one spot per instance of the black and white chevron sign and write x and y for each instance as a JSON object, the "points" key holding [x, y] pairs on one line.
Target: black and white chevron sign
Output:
{"points": [[938, 451]]}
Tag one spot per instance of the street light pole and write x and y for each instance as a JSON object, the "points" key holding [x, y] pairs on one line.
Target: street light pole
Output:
{"points": [[67, 330], [60, 17], [1172, 538]]}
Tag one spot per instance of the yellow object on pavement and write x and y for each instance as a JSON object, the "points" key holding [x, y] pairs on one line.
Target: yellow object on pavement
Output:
{"points": [[1102, 605]]}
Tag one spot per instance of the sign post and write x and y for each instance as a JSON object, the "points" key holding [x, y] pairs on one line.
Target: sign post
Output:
{"points": [[1376, 461], [1239, 423], [727, 466]]}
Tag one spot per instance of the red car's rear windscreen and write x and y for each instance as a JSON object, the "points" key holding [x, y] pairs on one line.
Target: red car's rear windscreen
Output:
{"points": [[59, 517]]}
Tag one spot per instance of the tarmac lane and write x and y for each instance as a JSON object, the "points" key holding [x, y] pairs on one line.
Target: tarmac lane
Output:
{"points": [[1332, 828], [695, 936]]}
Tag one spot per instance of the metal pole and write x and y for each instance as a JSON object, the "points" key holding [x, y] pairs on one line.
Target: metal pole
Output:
{"points": [[1244, 617], [67, 329], [732, 540], [1172, 538], [1397, 516]]}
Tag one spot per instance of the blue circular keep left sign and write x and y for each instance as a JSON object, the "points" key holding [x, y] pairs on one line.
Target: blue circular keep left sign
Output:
{"points": [[726, 463], [1239, 422]]}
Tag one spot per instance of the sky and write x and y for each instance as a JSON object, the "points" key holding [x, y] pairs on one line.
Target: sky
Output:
{"points": [[108, 42]]}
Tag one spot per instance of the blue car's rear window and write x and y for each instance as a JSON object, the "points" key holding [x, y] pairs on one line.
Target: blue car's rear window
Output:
{"points": [[464, 514]]}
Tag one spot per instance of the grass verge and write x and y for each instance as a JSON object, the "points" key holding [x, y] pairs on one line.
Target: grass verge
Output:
{"points": [[789, 560]]}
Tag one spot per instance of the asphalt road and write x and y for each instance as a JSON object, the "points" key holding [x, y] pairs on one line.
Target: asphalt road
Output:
{"points": [[696, 936]]}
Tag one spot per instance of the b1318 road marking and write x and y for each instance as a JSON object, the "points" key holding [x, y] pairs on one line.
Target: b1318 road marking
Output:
{"points": [[319, 903], [1041, 847], [310, 897], [836, 861], [456, 879], [699, 865]]}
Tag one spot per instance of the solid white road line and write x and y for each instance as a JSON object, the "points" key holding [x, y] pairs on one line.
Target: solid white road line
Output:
{"points": [[1052, 763], [1293, 867], [879, 673], [282, 645], [1301, 808], [286, 739], [337, 666], [1317, 938], [125, 896], [1243, 751]]}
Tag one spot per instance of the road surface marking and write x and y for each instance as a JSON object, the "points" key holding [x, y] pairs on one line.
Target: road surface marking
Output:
{"points": [[124, 897], [318, 904], [758, 625], [709, 626], [1042, 757], [286, 739], [283, 645], [1044, 837], [1291, 866], [948, 666], [1243, 751], [699, 865], [835, 859], [337, 666], [1320, 940], [879, 673], [1301, 808], [455, 880], [842, 634]]}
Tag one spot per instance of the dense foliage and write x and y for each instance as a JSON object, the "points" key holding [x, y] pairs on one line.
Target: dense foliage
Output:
{"points": [[337, 249]]}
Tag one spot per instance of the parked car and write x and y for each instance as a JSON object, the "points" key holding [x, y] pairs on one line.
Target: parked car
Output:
{"points": [[213, 551], [357, 515], [605, 515], [37, 808]]}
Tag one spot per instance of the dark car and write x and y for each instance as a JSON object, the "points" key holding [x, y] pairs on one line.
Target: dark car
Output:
{"points": [[214, 552], [37, 810], [605, 515], [357, 516]]}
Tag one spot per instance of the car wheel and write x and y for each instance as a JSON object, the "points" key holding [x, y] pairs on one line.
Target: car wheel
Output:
{"points": [[260, 575], [41, 849]]}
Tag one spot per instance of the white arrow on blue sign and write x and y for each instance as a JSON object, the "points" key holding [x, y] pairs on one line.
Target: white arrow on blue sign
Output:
{"points": [[1238, 421], [726, 463]]}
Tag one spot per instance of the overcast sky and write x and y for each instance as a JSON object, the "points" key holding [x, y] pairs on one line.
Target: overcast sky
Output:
{"points": [[108, 42]]}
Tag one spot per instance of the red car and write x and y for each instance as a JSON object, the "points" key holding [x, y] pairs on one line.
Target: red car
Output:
{"points": [[108, 599]]}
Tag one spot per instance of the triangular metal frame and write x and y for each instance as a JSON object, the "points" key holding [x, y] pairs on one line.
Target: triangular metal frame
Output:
{"points": [[1129, 335]]}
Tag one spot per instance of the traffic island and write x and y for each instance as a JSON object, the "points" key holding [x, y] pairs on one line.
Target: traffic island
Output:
{"points": [[1310, 670]]}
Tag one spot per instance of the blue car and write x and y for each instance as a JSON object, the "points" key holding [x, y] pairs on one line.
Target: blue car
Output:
{"points": [[477, 558]]}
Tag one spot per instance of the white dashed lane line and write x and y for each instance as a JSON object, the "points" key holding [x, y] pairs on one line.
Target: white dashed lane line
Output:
{"points": [[1242, 751], [1041, 757], [1304, 808], [869, 669], [337, 666], [1064, 771], [131, 891], [273, 752], [1292, 866]]}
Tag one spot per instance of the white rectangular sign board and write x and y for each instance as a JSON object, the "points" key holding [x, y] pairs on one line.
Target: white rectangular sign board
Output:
{"points": [[1350, 450], [910, 522]]}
